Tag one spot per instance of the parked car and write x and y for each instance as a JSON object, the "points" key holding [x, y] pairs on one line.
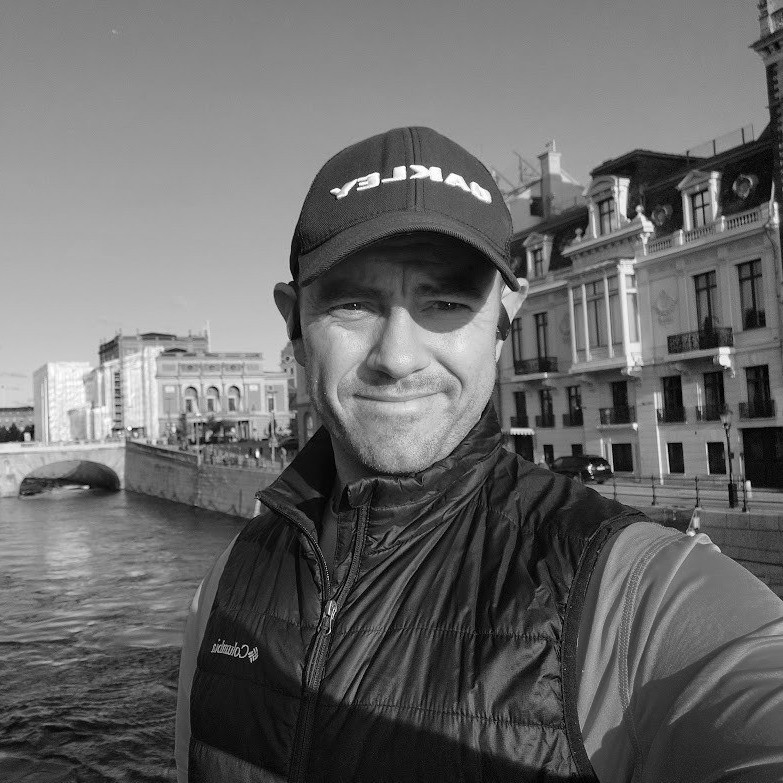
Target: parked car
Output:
{"points": [[585, 467]]}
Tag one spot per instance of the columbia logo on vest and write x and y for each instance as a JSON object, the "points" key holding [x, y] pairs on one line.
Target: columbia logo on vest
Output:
{"points": [[235, 650]]}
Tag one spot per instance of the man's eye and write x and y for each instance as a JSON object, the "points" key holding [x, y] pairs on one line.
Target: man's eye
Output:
{"points": [[448, 307], [351, 307]]}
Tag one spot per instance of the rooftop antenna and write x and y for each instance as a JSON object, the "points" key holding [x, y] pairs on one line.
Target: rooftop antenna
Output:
{"points": [[206, 332]]}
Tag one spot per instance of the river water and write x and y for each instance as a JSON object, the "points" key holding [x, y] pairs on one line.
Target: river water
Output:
{"points": [[94, 588]]}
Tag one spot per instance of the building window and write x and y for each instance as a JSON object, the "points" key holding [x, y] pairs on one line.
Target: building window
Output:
{"points": [[574, 416], [672, 399], [574, 399], [701, 208], [596, 313], [751, 295], [520, 406], [632, 301], [758, 386], [622, 457], [577, 449], [213, 400], [233, 399], [516, 340], [706, 286], [615, 316], [191, 400], [676, 458], [549, 453], [606, 219], [270, 403], [538, 262], [578, 319], [716, 458], [541, 335], [714, 396], [547, 417]]}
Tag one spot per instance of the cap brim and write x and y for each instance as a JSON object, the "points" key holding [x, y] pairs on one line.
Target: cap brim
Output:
{"points": [[361, 235]]}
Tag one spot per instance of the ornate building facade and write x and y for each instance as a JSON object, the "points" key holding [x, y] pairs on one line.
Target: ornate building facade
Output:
{"points": [[652, 310], [228, 393]]}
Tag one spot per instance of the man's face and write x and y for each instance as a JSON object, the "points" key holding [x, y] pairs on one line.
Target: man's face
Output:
{"points": [[399, 346]]}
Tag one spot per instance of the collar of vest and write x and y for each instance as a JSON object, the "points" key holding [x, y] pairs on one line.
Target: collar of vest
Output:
{"points": [[308, 481]]}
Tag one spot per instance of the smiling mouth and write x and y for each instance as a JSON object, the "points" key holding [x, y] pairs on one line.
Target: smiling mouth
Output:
{"points": [[394, 398]]}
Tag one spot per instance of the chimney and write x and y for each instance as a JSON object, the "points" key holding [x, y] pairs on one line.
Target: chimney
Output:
{"points": [[550, 172]]}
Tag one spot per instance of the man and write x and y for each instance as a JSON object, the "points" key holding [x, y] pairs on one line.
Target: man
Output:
{"points": [[416, 603]]}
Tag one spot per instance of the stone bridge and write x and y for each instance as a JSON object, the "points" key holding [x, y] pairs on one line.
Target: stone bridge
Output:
{"points": [[96, 464]]}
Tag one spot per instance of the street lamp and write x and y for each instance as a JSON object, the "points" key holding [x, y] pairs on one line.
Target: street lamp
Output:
{"points": [[725, 419]]}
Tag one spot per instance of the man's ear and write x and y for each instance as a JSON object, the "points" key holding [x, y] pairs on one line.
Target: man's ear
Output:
{"points": [[510, 302], [287, 301]]}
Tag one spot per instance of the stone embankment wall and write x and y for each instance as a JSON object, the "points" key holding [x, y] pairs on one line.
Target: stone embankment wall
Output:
{"points": [[755, 541], [178, 476]]}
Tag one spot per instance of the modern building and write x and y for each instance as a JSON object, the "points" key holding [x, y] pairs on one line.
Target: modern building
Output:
{"points": [[651, 310], [229, 394], [58, 387]]}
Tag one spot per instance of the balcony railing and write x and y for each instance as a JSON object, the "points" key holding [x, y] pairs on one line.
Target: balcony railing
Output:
{"points": [[539, 364], [545, 420], [573, 419], [624, 414], [519, 421], [671, 414], [704, 339], [757, 216], [709, 412], [758, 409]]}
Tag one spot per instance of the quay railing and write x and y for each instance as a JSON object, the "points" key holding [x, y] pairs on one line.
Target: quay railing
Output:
{"points": [[691, 492]]}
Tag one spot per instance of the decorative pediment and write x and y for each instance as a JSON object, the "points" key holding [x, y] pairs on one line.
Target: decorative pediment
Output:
{"points": [[695, 179], [534, 239]]}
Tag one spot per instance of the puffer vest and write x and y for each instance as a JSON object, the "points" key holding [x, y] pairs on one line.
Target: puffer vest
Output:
{"points": [[441, 648]]}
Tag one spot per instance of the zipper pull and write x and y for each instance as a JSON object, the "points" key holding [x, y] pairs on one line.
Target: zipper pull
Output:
{"points": [[328, 618]]}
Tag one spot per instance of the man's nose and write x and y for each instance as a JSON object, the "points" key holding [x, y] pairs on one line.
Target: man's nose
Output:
{"points": [[400, 347]]}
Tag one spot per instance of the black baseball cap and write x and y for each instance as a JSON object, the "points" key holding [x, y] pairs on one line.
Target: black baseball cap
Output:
{"points": [[402, 181]]}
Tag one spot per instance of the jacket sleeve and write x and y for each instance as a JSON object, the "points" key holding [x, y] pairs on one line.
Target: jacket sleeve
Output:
{"points": [[681, 651], [195, 625]]}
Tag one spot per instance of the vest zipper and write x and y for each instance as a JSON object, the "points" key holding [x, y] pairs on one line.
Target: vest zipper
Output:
{"points": [[315, 664], [314, 668]]}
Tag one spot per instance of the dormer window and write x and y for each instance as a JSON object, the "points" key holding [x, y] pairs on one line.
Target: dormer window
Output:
{"points": [[701, 209], [539, 249], [537, 256], [606, 216], [699, 198], [607, 203]]}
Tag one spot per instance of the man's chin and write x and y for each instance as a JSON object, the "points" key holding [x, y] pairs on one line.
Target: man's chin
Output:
{"points": [[401, 455]]}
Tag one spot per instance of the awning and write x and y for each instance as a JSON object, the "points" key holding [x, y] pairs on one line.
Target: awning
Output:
{"points": [[521, 431]]}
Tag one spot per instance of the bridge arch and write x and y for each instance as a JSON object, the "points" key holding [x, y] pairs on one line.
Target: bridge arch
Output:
{"points": [[77, 471]]}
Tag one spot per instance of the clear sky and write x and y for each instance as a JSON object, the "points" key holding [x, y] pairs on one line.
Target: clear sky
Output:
{"points": [[154, 153]]}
